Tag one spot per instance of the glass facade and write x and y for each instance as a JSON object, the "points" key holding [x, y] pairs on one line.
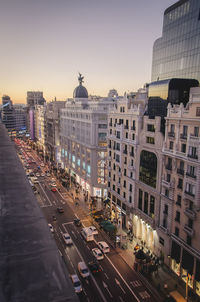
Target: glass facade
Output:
{"points": [[177, 53], [148, 168]]}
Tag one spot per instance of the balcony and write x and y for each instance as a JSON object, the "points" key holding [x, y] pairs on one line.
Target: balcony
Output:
{"points": [[131, 167], [168, 167], [194, 156], [171, 134], [189, 193], [132, 154], [180, 171], [191, 175], [168, 184], [190, 213], [183, 136], [180, 186], [125, 151], [110, 124], [126, 127], [133, 128], [188, 230]]}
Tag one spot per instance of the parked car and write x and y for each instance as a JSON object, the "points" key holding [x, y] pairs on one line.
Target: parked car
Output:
{"points": [[76, 283], [83, 270], [103, 247], [51, 227], [97, 253], [94, 267], [53, 189], [93, 229]]}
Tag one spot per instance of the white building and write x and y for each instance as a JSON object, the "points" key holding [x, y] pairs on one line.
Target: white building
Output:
{"points": [[83, 131]]}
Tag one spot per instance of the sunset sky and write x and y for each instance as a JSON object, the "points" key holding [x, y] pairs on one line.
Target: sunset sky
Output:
{"points": [[45, 43]]}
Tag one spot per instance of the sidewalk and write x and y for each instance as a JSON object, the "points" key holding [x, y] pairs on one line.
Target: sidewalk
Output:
{"points": [[161, 282]]}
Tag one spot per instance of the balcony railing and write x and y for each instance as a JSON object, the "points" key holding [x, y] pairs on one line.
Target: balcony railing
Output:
{"points": [[133, 128], [183, 136], [180, 171], [125, 151], [191, 175], [171, 134], [190, 213], [168, 167], [193, 156], [189, 193], [126, 127], [188, 230], [132, 154]]}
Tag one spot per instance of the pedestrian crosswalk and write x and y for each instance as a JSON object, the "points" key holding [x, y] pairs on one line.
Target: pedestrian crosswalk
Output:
{"points": [[136, 283], [144, 295]]}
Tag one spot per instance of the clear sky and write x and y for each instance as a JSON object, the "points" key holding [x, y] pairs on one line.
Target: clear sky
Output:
{"points": [[45, 43]]}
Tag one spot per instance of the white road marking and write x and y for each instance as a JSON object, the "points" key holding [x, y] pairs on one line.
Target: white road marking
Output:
{"points": [[45, 194], [118, 283], [136, 283], [106, 275], [74, 234], [144, 295], [120, 298], [106, 287]]}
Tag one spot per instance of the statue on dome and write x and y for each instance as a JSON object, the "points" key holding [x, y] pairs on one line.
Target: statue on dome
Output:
{"points": [[80, 78]]}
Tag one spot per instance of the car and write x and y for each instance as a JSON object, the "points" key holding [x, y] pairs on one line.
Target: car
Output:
{"points": [[97, 253], [99, 218], [53, 189], [42, 165], [83, 270], [77, 222], [94, 267], [54, 218], [53, 180], [51, 227], [103, 247], [76, 284], [48, 174], [32, 174], [37, 174], [60, 210], [42, 175], [67, 239], [93, 229]]}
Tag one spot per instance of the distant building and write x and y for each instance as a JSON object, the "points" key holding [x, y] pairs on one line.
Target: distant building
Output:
{"points": [[7, 114], [177, 53], [20, 112], [35, 98], [83, 131]]}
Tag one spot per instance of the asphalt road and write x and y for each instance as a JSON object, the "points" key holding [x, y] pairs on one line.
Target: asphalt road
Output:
{"points": [[117, 281]]}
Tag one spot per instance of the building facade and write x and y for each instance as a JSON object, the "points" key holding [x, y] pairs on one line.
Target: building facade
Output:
{"points": [[7, 114], [177, 53], [40, 128], [180, 192], [83, 131], [52, 119]]}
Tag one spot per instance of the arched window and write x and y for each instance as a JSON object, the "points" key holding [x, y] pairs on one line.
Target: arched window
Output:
{"points": [[148, 168]]}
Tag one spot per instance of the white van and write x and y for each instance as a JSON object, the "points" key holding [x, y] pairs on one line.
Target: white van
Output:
{"points": [[87, 234]]}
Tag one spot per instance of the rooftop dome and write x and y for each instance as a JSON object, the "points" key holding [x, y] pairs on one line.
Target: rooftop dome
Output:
{"points": [[80, 91]]}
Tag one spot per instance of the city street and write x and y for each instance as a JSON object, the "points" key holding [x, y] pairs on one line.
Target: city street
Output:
{"points": [[117, 281]]}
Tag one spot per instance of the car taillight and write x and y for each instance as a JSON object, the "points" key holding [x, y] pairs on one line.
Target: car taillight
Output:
{"points": [[94, 271]]}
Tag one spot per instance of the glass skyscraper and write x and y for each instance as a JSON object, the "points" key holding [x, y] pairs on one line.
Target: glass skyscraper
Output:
{"points": [[177, 53]]}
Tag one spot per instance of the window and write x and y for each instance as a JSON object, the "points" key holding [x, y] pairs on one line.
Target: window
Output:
{"points": [[166, 192], [131, 174], [124, 172], [177, 218], [130, 188], [189, 240], [193, 152], [140, 197], [102, 126], [133, 136], [190, 189], [161, 241], [180, 183], [191, 171], [124, 194], [126, 134], [178, 200], [152, 205], [114, 177], [176, 231], [198, 111], [165, 209], [124, 184], [146, 202], [125, 160], [196, 131], [113, 187], [118, 134], [150, 140], [130, 199], [150, 128], [108, 184], [171, 145], [172, 128], [118, 191], [183, 148], [168, 177], [190, 223], [185, 129]]}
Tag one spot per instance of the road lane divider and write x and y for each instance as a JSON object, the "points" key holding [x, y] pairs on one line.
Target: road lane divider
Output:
{"points": [[45, 194]]}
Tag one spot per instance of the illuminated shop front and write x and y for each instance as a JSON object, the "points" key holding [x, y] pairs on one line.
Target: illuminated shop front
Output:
{"points": [[145, 233], [185, 266]]}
